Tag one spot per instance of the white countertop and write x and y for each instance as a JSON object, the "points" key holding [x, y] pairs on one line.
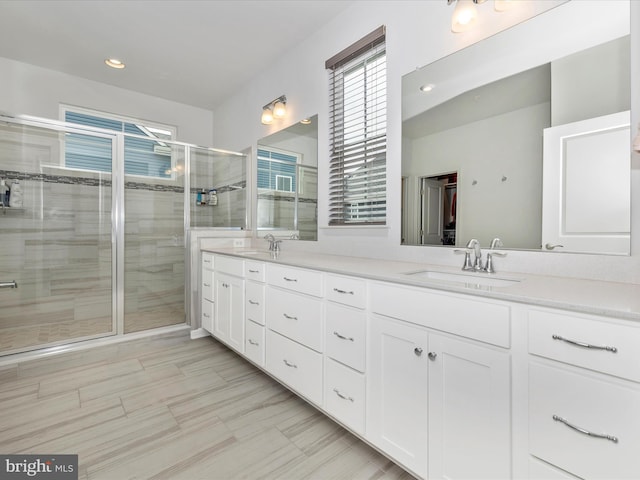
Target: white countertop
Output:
{"points": [[619, 300]]}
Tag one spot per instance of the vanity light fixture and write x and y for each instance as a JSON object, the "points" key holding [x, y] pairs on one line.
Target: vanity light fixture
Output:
{"points": [[276, 108], [466, 13], [115, 63]]}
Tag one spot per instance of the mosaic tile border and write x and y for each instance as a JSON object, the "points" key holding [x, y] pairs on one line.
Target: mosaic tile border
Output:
{"points": [[98, 182]]}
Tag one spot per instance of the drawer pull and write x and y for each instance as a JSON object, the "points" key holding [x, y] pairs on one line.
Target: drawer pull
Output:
{"points": [[586, 432], [585, 345], [207, 261], [343, 291], [253, 343], [342, 337], [225, 285], [205, 315], [292, 365], [254, 271], [207, 284], [254, 303], [344, 397], [290, 279], [289, 317]]}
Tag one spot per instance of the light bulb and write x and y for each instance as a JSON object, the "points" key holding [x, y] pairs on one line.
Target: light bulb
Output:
{"points": [[267, 116], [502, 5], [279, 110], [464, 16]]}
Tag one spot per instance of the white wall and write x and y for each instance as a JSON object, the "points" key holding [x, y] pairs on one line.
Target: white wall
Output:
{"points": [[29, 90], [418, 32]]}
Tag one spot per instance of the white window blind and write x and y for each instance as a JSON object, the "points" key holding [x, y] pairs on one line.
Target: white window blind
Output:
{"points": [[358, 132]]}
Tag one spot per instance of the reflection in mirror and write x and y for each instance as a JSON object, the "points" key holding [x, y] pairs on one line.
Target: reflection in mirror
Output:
{"points": [[503, 111], [287, 181]]}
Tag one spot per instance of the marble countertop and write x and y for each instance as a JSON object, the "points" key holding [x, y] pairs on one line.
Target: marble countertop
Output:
{"points": [[619, 300]]}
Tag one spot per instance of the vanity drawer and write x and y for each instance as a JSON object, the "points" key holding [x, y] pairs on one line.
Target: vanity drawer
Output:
{"points": [[483, 320], [254, 270], [254, 302], [551, 334], [348, 290], [254, 342], [230, 265], [296, 279], [206, 319], [295, 316], [593, 404], [297, 366], [345, 335], [207, 260], [344, 395], [207, 284]]}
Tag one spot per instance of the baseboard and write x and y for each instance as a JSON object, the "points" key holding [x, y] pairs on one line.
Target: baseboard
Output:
{"points": [[199, 333]]}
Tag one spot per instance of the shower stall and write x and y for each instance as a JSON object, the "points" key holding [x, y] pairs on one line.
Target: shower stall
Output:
{"points": [[88, 253]]}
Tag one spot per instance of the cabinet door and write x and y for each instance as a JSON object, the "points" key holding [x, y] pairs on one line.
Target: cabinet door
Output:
{"points": [[397, 391], [469, 411], [229, 310]]}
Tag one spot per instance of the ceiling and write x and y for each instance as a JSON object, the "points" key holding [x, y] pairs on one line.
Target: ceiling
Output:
{"points": [[196, 52]]}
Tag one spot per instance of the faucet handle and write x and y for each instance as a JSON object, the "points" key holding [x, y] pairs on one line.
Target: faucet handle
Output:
{"points": [[468, 264], [496, 242]]}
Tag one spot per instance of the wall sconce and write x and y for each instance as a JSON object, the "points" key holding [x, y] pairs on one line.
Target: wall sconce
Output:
{"points": [[465, 14], [276, 108]]}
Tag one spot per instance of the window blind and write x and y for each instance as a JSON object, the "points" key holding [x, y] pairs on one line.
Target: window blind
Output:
{"points": [[357, 130]]}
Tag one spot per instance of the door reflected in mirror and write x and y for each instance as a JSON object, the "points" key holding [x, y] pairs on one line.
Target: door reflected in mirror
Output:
{"points": [[287, 182], [490, 118]]}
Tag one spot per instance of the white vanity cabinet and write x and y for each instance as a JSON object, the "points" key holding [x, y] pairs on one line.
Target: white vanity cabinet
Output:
{"points": [[584, 394], [437, 403], [228, 325], [294, 313], [345, 350], [254, 347], [206, 292]]}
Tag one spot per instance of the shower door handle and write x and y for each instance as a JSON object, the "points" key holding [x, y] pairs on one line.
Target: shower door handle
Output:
{"points": [[11, 284]]}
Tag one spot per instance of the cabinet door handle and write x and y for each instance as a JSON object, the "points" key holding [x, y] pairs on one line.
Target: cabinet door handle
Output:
{"points": [[254, 303], [207, 284], [585, 432], [585, 345], [432, 355], [253, 343], [290, 279], [225, 285], [342, 337], [344, 397], [344, 292], [417, 351], [254, 271], [288, 364], [205, 315], [289, 317]]}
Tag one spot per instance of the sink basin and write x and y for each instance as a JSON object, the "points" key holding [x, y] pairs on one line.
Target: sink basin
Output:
{"points": [[470, 279]]}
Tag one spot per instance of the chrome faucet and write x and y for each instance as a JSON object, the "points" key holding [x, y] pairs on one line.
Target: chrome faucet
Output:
{"points": [[495, 243], [274, 245], [472, 246]]}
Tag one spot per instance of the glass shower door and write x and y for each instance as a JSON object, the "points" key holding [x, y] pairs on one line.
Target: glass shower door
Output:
{"points": [[55, 240], [154, 266]]}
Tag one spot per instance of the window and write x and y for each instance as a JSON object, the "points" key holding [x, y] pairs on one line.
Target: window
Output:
{"points": [[358, 137], [277, 169], [147, 158]]}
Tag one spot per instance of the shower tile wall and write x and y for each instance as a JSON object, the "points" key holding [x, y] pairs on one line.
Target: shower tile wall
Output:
{"points": [[154, 256]]}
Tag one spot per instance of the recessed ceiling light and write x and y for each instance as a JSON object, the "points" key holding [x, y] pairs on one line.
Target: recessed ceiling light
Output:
{"points": [[426, 88], [305, 121], [114, 63]]}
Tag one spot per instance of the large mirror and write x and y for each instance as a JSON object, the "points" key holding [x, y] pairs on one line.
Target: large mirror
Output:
{"points": [[287, 182], [524, 136]]}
